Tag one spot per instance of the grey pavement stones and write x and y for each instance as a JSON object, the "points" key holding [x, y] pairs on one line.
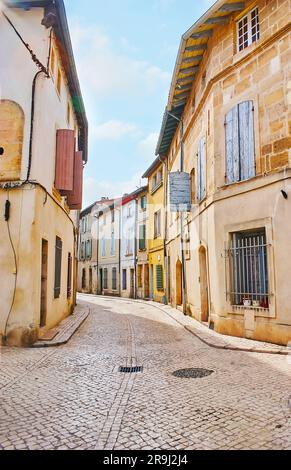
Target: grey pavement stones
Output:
{"points": [[73, 397]]}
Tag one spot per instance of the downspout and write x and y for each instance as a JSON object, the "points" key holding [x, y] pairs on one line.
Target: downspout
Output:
{"points": [[119, 249], [182, 226], [97, 256]]}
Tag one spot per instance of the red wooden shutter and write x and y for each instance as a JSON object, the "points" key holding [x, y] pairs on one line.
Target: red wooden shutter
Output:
{"points": [[65, 153], [74, 198]]}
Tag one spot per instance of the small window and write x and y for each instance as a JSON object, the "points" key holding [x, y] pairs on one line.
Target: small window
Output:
{"points": [[112, 244], [114, 278], [58, 267], [249, 269], [248, 29], [103, 247], [105, 284], [124, 279], [157, 224], [143, 203]]}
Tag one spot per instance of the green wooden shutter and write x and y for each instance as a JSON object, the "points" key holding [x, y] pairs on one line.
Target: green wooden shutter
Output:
{"points": [[142, 237], [159, 277]]}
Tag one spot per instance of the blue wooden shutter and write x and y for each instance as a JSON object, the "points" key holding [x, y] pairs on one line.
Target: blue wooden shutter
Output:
{"points": [[232, 146], [246, 140]]}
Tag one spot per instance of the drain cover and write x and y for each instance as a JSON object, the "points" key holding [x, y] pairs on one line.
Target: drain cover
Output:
{"points": [[192, 373], [130, 370]]}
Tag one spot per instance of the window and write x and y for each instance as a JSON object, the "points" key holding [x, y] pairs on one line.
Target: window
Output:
{"points": [[124, 279], [58, 267], [201, 170], [82, 251], [143, 203], [88, 249], [112, 244], [154, 182], [59, 81], [142, 237], [248, 29], [159, 278], [103, 247], [249, 269], [129, 242], [69, 277], [240, 143], [114, 278], [129, 210], [139, 276], [112, 216], [105, 284], [157, 224]]}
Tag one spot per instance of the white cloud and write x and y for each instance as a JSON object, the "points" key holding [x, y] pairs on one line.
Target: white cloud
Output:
{"points": [[110, 73], [147, 147], [113, 130], [94, 189]]}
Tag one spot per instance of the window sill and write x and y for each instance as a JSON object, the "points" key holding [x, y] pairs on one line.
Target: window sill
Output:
{"points": [[158, 186]]}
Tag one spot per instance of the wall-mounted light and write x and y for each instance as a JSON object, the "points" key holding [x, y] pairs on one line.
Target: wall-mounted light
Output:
{"points": [[284, 194]]}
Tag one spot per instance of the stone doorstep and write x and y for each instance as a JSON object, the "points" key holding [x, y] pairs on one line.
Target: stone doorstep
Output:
{"points": [[65, 330]]}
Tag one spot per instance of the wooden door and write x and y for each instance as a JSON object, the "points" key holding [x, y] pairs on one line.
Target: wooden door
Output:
{"points": [[146, 281], [44, 275], [203, 284]]}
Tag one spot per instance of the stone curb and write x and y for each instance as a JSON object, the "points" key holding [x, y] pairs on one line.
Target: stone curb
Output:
{"points": [[205, 337], [66, 332]]}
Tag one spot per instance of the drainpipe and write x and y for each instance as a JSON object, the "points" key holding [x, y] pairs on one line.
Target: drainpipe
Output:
{"points": [[119, 248], [164, 162], [135, 247]]}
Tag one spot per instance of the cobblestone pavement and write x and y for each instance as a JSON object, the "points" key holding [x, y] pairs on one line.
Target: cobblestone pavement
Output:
{"points": [[74, 397]]}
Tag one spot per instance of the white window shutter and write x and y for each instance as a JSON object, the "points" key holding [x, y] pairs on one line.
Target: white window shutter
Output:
{"points": [[246, 140], [232, 146]]}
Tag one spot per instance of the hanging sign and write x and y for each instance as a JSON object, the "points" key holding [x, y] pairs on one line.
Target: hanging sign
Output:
{"points": [[180, 192]]}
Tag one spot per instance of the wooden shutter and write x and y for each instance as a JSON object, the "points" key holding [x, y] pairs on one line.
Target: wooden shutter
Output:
{"points": [[246, 140], [201, 166], [65, 156], [58, 267], [74, 197], [159, 277], [232, 146]]}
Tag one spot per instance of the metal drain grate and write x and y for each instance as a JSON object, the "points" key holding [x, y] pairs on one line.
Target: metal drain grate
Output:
{"points": [[130, 370], [192, 373]]}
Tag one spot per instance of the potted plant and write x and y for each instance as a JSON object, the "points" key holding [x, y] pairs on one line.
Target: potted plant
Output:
{"points": [[256, 303], [247, 301]]}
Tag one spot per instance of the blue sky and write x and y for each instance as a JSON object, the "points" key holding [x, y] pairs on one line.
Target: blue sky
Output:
{"points": [[125, 52]]}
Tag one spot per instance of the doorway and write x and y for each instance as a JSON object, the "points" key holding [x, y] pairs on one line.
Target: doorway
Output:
{"points": [[131, 294], [146, 281], [90, 281], [169, 281], [44, 271], [203, 284], [101, 281], [179, 283]]}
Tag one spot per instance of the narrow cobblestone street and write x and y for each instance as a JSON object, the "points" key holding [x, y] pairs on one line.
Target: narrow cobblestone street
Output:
{"points": [[74, 397]]}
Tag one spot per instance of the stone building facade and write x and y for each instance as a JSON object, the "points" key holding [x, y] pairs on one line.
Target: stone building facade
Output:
{"points": [[43, 147], [231, 91]]}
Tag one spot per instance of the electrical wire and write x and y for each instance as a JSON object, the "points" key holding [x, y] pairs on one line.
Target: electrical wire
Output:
{"points": [[16, 274]]}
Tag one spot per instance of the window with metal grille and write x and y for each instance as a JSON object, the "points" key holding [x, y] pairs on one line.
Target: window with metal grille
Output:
{"points": [[69, 278], [105, 282], [124, 279], [142, 238], [240, 143], [58, 267], [159, 278], [249, 269], [114, 278], [248, 29]]}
